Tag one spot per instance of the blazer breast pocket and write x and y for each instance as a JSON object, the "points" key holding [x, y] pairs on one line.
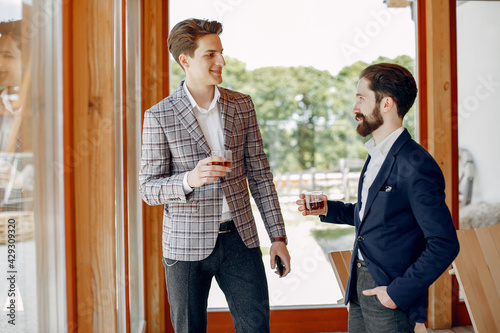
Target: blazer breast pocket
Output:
{"points": [[388, 191]]}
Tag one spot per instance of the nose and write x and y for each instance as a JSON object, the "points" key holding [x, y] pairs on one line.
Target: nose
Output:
{"points": [[220, 60], [355, 109]]}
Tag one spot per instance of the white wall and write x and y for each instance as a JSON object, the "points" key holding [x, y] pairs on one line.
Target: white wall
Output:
{"points": [[478, 53]]}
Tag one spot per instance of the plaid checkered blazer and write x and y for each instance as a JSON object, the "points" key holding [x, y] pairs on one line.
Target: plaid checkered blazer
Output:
{"points": [[172, 145]]}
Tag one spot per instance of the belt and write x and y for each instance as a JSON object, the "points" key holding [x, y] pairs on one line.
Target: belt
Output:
{"points": [[226, 226], [360, 263]]}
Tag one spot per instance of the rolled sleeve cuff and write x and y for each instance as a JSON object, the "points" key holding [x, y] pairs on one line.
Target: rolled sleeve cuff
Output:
{"points": [[187, 189]]}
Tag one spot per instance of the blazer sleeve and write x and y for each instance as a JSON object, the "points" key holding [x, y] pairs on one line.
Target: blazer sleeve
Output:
{"points": [[339, 213], [157, 185], [427, 199], [260, 178]]}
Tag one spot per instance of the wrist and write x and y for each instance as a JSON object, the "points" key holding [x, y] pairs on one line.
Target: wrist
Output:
{"points": [[283, 239], [188, 178]]}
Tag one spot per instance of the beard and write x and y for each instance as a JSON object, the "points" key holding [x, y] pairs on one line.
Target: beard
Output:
{"points": [[370, 123]]}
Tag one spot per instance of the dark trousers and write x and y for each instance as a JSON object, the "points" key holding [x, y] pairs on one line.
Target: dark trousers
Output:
{"points": [[368, 315], [238, 270]]}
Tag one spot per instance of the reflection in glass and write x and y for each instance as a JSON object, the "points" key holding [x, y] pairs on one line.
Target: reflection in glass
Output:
{"points": [[10, 82], [17, 244]]}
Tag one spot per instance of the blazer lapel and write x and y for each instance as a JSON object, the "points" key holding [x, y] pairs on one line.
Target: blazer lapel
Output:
{"points": [[360, 189], [226, 102], [385, 170], [379, 180], [184, 110]]}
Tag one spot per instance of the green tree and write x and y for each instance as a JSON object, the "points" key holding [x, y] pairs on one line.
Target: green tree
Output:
{"points": [[305, 114], [176, 75], [292, 103]]}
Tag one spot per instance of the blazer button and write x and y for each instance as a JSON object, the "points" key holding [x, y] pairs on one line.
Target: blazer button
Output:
{"points": [[360, 238]]}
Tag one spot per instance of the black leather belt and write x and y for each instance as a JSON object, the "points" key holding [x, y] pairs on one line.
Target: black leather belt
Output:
{"points": [[227, 226]]}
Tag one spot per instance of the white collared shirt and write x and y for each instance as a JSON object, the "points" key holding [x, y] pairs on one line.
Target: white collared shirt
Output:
{"points": [[377, 153], [210, 123], [6, 98], [6, 117]]}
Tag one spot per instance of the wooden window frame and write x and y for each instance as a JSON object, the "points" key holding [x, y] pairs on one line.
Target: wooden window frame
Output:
{"points": [[437, 120], [438, 109]]}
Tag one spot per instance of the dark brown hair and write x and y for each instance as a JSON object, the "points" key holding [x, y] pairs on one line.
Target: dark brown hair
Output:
{"points": [[184, 36], [391, 80], [13, 29]]}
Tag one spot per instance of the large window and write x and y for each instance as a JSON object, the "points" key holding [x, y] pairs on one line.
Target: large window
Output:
{"points": [[478, 74], [31, 211], [17, 172], [300, 61]]}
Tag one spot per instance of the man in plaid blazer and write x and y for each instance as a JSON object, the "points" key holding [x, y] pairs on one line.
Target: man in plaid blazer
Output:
{"points": [[208, 226]]}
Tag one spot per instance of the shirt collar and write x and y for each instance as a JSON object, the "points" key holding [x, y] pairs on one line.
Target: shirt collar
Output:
{"points": [[383, 147], [195, 105], [4, 96]]}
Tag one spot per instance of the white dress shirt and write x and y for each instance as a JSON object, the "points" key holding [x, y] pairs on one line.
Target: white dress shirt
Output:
{"points": [[211, 125], [7, 114], [377, 153]]}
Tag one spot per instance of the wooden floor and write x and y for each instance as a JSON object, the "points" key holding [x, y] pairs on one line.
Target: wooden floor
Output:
{"points": [[461, 329]]}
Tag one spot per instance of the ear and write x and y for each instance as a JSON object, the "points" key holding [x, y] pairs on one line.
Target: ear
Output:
{"points": [[183, 60], [387, 104]]}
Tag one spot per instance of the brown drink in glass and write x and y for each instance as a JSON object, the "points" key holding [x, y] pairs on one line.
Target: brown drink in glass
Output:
{"points": [[226, 154], [314, 201]]}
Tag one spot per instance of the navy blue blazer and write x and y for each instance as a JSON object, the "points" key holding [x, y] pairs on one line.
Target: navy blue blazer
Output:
{"points": [[407, 237]]}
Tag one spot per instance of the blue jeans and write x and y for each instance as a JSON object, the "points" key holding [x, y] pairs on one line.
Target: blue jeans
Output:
{"points": [[238, 270], [368, 315]]}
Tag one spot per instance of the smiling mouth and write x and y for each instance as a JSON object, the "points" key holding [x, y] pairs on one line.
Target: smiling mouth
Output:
{"points": [[218, 72]]}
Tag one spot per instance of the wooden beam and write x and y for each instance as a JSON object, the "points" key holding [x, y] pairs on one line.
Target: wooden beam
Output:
{"points": [[69, 187], [437, 63], [332, 319], [398, 3], [154, 89], [92, 162], [477, 270]]}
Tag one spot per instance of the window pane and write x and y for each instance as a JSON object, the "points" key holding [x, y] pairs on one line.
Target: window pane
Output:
{"points": [[31, 171], [478, 73], [300, 61], [478, 99], [18, 299]]}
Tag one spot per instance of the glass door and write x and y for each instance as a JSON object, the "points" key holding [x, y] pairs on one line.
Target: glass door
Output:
{"points": [[32, 256]]}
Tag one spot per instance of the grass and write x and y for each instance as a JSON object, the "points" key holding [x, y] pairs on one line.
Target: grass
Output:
{"points": [[331, 233]]}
